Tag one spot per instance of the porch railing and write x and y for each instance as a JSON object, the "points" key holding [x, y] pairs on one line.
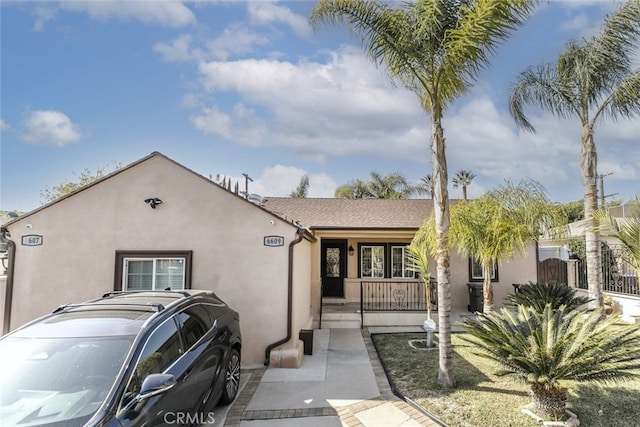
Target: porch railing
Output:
{"points": [[617, 275], [396, 296]]}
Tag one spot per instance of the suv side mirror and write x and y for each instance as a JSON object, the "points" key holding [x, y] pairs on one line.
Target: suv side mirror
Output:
{"points": [[155, 384]]}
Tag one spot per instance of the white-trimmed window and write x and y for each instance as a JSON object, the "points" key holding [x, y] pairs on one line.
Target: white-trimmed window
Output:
{"points": [[477, 275], [400, 263], [142, 274], [146, 271], [372, 260]]}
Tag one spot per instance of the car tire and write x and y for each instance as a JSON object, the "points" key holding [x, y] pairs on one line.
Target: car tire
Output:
{"points": [[231, 378]]}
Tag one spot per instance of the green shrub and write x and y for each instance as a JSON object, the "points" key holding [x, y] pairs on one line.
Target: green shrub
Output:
{"points": [[538, 295]]}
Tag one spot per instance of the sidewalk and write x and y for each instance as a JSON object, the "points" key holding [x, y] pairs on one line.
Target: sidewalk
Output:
{"points": [[341, 384]]}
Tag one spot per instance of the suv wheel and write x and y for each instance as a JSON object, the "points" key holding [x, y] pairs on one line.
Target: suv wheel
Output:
{"points": [[232, 378]]}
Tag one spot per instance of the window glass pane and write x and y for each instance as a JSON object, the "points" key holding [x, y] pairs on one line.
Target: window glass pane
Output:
{"points": [[366, 261], [397, 262], [160, 351], [407, 271], [139, 275], [372, 261], [193, 327], [377, 258], [170, 273], [478, 274], [332, 262]]}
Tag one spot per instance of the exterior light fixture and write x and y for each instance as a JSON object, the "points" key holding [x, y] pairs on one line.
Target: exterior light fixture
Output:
{"points": [[153, 202], [351, 250]]}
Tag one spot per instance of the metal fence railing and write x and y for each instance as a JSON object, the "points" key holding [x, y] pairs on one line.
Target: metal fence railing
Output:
{"points": [[617, 275], [396, 296]]}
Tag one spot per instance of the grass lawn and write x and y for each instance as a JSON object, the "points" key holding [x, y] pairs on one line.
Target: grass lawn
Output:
{"points": [[483, 399]]}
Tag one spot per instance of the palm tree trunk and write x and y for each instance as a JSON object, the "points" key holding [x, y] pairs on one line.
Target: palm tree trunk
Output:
{"points": [[487, 290], [588, 160], [464, 192], [446, 377]]}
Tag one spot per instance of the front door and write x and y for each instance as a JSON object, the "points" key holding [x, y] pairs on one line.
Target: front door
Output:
{"points": [[334, 267]]}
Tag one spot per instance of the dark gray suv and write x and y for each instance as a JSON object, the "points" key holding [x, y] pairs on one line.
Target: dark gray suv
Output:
{"points": [[126, 359]]}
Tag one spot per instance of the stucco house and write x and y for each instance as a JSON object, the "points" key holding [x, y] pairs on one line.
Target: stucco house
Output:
{"points": [[155, 224]]}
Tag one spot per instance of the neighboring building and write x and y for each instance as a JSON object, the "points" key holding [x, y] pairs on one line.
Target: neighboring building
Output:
{"points": [[157, 224]]}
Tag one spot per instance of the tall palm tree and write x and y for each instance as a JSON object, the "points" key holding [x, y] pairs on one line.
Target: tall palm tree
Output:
{"points": [[463, 179], [500, 224], [552, 349], [426, 185], [592, 80], [436, 49]]}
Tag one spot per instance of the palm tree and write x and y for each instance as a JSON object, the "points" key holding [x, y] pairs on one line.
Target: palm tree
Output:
{"points": [[500, 224], [426, 185], [549, 350], [463, 179], [626, 230], [357, 189], [435, 48], [591, 80], [392, 186]]}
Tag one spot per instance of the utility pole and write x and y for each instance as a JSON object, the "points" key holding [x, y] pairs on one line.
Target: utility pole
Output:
{"points": [[602, 195], [247, 178]]}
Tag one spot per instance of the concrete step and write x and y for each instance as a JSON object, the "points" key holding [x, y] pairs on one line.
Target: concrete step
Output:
{"points": [[338, 320]]}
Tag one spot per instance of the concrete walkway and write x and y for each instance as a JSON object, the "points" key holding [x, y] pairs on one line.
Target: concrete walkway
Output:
{"points": [[341, 384]]}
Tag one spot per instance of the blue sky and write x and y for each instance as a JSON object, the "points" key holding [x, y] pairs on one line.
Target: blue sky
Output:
{"points": [[248, 87]]}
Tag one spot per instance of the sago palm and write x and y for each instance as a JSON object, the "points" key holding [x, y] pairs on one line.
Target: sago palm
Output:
{"points": [[549, 350], [539, 295], [436, 49], [592, 80]]}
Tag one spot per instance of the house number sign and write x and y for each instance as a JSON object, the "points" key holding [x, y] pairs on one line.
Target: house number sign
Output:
{"points": [[31, 240], [274, 240]]}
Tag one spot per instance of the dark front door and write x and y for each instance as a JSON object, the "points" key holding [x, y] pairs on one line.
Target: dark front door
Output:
{"points": [[334, 267]]}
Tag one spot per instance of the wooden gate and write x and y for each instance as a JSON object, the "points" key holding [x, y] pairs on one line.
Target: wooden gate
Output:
{"points": [[552, 271]]}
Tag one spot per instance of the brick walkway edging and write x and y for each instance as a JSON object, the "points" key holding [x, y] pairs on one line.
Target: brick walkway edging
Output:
{"points": [[347, 414]]}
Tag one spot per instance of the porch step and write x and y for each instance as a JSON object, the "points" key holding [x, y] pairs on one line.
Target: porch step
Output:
{"points": [[337, 320]]}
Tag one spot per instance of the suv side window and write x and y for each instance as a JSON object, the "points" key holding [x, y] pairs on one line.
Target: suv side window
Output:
{"points": [[163, 347], [194, 323]]}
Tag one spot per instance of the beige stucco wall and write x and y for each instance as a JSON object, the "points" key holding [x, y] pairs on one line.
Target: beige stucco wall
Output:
{"points": [[521, 269], [81, 234]]}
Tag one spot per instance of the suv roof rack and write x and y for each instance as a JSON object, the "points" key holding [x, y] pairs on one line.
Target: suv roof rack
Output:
{"points": [[157, 306], [177, 291]]}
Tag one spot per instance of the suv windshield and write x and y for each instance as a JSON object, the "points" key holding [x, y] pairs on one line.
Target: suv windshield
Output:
{"points": [[57, 380]]}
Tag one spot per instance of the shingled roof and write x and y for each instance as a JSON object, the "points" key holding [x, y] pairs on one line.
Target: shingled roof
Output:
{"points": [[352, 213]]}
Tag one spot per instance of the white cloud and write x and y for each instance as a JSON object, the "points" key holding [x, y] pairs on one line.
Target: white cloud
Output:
{"points": [[235, 40], [280, 181], [267, 12], [179, 50], [345, 101], [48, 127], [3, 125], [171, 13], [43, 13]]}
